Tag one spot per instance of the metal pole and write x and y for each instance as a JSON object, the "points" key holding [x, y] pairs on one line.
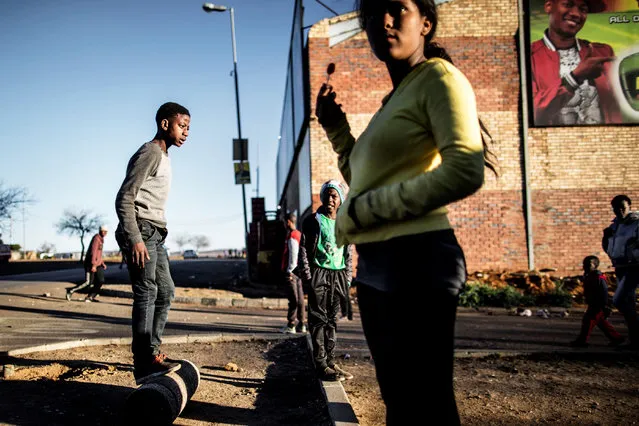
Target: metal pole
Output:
{"points": [[239, 125], [24, 234], [239, 135], [524, 132]]}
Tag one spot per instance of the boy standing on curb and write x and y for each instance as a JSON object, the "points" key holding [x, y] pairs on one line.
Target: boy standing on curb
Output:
{"points": [[327, 270], [141, 234], [296, 306], [596, 294]]}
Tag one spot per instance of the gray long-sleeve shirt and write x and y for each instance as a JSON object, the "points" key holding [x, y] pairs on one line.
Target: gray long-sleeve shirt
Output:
{"points": [[144, 191]]}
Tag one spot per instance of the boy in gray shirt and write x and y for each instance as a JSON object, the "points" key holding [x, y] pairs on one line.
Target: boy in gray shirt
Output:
{"points": [[141, 234]]}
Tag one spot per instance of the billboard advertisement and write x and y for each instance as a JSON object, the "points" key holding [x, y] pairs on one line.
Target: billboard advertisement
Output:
{"points": [[584, 62]]}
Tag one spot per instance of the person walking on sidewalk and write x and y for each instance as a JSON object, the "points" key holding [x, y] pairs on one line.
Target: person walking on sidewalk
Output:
{"points": [[141, 234], [621, 242], [94, 268], [122, 260], [295, 291], [326, 269], [422, 150], [596, 295]]}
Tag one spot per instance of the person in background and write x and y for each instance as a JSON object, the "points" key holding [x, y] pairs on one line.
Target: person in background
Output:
{"points": [[122, 260], [94, 268], [421, 151], [296, 305], [621, 242], [326, 269], [596, 295]]}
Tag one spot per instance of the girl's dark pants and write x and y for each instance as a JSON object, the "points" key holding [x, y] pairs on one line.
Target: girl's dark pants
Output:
{"points": [[428, 270]]}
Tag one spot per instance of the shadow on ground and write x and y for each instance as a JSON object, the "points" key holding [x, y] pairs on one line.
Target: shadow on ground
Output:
{"points": [[73, 392]]}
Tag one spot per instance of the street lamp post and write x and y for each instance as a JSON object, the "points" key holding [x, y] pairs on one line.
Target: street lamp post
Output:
{"points": [[210, 7]]}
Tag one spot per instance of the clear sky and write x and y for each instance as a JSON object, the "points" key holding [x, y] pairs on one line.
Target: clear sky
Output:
{"points": [[81, 80]]}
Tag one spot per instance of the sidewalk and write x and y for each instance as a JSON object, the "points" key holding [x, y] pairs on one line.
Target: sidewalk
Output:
{"points": [[208, 297], [488, 330]]}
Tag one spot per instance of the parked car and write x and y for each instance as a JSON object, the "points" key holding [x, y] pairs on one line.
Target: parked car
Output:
{"points": [[190, 254], [5, 253]]}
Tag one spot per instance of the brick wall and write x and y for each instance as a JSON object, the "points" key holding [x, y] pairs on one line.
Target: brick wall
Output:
{"points": [[574, 171]]}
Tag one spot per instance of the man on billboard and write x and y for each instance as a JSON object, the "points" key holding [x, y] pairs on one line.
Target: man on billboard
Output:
{"points": [[570, 76]]}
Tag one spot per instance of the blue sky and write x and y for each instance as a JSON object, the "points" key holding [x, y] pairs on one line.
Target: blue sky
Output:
{"points": [[81, 81]]}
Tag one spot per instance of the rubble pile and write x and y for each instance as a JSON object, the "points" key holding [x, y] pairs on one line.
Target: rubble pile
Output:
{"points": [[536, 282]]}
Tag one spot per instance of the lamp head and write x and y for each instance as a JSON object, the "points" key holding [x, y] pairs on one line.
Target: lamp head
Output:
{"points": [[210, 7]]}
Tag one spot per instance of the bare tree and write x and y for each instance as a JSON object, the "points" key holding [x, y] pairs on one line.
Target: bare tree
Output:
{"points": [[11, 199], [47, 248], [78, 223], [200, 241], [181, 240]]}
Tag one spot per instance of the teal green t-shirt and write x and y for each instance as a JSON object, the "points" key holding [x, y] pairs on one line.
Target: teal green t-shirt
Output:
{"points": [[328, 255]]}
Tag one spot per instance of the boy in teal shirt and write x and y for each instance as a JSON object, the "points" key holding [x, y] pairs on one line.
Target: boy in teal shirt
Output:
{"points": [[326, 270]]}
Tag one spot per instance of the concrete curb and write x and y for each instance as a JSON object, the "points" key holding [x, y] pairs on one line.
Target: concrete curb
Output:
{"points": [[225, 302], [339, 407], [188, 338]]}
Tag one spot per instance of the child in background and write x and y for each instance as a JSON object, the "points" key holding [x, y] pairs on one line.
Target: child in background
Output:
{"points": [[296, 304], [596, 294]]}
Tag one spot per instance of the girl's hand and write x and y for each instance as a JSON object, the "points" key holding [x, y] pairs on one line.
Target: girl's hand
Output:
{"points": [[328, 112]]}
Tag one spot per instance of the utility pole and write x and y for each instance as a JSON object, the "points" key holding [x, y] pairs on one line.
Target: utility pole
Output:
{"points": [[258, 171], [210, 7], [24, 234]]}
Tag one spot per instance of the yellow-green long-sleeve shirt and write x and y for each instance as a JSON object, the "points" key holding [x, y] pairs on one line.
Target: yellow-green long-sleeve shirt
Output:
{"points": [[421, 151]]}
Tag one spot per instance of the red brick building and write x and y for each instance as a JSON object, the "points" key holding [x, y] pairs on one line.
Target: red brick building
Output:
{"points": [[573, 172]]}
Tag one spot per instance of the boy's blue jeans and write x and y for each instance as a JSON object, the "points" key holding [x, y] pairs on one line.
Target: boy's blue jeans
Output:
{"points": [[153, 291]]}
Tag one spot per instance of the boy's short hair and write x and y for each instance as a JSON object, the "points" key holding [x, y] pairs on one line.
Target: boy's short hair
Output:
{"points": [[587, 259], [291, 216], [169, 110], [620, 199]]}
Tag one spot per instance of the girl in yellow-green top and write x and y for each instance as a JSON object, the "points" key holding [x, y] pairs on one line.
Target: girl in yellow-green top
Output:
{"points": [[422, 150]]}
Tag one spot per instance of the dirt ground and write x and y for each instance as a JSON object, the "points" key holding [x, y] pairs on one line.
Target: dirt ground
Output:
{"points": [[275, 385]]}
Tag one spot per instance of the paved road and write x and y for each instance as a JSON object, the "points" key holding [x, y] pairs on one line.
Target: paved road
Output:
{"points": [[215, 273], [29, 318]]}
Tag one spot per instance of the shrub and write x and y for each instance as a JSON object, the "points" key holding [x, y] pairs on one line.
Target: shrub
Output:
{"points": [[558, 297], [476, 294], [469, 297]]}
